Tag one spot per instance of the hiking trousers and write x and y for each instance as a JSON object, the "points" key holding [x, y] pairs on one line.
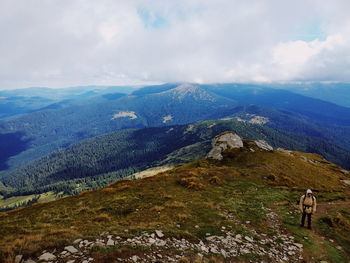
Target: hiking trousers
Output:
{"points": [[308, 215]]}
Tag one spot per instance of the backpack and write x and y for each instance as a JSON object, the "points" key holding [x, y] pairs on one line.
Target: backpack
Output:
{"points": [[313, 199]]}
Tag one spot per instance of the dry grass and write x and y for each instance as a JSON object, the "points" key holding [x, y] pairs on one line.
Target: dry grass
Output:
{"points": [[215, 180], [175, 204], [191, 183], [157, 208], [167, 199], [108, 190], [182, 217], [102, 218]]}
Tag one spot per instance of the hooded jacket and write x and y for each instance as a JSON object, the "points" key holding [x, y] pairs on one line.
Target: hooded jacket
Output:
{"points": [[307, 204]]}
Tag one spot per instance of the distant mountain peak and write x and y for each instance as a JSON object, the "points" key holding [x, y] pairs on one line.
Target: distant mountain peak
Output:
{"points": [[187, 90]]}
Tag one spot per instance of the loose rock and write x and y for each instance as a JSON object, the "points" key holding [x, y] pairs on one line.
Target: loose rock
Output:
{"points": [[159, 233], [18, 258], [71, 249], [47, 257]]}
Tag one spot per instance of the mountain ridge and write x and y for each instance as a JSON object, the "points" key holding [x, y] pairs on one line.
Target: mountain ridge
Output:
{"points": [[93, 163]]}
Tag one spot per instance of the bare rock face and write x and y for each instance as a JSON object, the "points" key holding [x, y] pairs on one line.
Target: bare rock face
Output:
{"points": [[222, 142], [264, 145]]}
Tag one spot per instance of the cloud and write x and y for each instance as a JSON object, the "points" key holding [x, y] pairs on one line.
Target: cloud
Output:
{"points": [[61, 43]]}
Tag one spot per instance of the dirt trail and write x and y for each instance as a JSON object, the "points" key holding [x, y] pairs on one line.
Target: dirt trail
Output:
{"points": [[324, 208], [319, 240]]}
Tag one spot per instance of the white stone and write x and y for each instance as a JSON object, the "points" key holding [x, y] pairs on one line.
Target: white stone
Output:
{"points": [[18, 258], [159, 233], [213, 250], [151, 240], [245, 251], [71, 249], [47, 257], [110, 242], [161, 243], [77, 241], [291, 248], [248, 239], [288, 152], [298, 245], [264, 145], [222, 142], [205, 249], [345, 182], [134, 258], [223, 252]]}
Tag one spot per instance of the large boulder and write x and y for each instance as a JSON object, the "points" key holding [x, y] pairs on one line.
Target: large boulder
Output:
{"points": [[222, 142]]}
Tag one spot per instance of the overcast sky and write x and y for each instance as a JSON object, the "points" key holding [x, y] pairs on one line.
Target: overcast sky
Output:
{"points": [[60, 43]]}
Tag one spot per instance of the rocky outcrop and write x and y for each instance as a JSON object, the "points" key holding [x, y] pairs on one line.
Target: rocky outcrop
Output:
{"points": [[222, 142], [229, 140], [264, 145]]}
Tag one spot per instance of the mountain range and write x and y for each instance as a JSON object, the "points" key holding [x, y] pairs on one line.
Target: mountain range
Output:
{"points": [[48, 148]]}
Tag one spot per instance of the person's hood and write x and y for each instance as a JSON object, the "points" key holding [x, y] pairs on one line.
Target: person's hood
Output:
{"points": [[308, 191]]}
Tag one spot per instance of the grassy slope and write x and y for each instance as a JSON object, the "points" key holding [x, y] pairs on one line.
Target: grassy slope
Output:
{"points": [[12, 201], [197, 193]]}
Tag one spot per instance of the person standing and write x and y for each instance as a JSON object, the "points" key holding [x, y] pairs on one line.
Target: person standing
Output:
{"points": [[307, 207]]}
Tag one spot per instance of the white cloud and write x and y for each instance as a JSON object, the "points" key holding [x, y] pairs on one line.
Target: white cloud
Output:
{"points": [[61, 43], [309, 60]]}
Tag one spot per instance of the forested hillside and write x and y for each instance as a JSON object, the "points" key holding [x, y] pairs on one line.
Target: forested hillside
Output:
{"points": [[97, 161], [59, 126]]}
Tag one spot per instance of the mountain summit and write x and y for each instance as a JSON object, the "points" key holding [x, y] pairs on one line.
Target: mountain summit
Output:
{"points": [[191, 91]]}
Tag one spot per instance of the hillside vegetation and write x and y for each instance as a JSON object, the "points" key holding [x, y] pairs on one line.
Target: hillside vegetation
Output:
{"points": [[95, 162], [248, 197]]}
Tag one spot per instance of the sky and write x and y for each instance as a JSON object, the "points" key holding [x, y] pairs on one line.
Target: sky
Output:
{"points": [[62, 43]]}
